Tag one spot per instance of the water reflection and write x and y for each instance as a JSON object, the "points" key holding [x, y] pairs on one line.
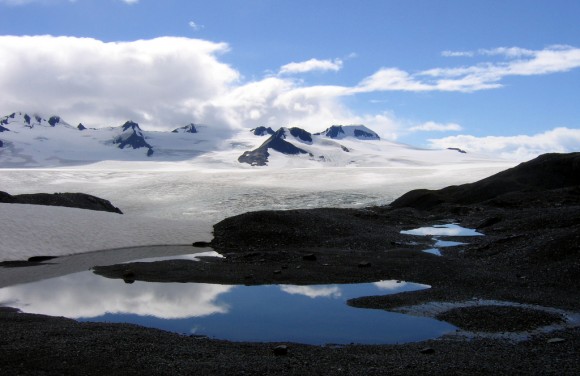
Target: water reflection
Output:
{"points": [[306, 314], [443, 230], [83, 295]]}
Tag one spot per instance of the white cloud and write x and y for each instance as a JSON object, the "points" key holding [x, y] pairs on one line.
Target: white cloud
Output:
{"points": [[130, 2], [311, 65], [520, 147], [195, 26], [482, 76], [162, 82], [458, 53], [313, 292], [432, 126]]}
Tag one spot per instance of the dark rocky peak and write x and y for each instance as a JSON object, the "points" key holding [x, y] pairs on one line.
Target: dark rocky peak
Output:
{"points": [[130, 125], [366, 134], [81, 127], [4, 129], [53, 120], [334, 131], [356, 131], [132, 136], [262, 131], [190, 128], [301, 134], [1, 143], [277, 142]]}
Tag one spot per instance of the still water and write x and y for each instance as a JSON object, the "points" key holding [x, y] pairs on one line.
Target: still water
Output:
{"points": [[316, 314]]}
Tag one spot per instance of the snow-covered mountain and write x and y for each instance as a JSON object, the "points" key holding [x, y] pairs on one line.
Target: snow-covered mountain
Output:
{"points": [[32, 141], [341, 145]]}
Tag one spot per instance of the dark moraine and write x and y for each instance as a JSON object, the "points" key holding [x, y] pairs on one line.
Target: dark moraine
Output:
{"points": [[71, 200]]}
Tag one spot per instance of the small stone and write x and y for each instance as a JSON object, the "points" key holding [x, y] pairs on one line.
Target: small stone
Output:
{"points": [[556, 340], [364, 264], [129, 276], [427, 350], [309, 257], [280, 350], [277, 272]]}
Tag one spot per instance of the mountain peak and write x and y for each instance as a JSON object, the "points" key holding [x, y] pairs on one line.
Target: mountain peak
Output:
{"points": [[190, 128], [354, 131], [262, 131], [130, 125]]}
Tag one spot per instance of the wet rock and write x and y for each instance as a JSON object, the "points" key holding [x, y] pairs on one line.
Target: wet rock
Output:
{"points": [[201, 244]]}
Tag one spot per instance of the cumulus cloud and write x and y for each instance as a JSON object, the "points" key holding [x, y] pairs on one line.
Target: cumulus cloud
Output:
{"points": [[520, 147], [432, 126], [162, 81], [167, 82], [482, 76], [312, 65]]}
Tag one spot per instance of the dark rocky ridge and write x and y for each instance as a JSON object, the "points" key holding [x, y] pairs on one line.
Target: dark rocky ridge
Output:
{"points": [[277, 142], [545, 173], [135, 140], [262, 131], [70, 200]]}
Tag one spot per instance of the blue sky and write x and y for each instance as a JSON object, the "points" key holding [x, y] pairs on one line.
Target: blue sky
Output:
{"points": [[487, 75]]}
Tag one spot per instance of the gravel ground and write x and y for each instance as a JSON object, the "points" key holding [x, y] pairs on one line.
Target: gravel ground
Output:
{"points": [[527, 266]]}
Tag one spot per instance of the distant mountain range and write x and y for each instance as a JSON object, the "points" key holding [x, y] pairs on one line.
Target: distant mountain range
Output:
{"points": [[32, 141]]}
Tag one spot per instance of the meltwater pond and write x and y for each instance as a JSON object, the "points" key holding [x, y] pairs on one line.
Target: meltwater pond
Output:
{"points": [[316, 314]]}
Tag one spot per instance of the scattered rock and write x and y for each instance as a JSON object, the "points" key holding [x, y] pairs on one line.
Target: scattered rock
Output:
{"points": [[427, 350]]}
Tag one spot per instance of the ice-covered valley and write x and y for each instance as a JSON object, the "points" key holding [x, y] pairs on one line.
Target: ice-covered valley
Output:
{"points": [[173, 203]]}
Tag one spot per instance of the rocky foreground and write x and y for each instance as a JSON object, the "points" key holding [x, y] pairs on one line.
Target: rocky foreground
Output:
{"points": [[500, 289]]}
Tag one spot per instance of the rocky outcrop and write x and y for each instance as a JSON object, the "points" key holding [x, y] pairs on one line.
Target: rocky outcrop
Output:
{"points": [[356, 131], [546, 173], [277, 142], [190, 128], [262, 131], [70, 200], [132, 136]]}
